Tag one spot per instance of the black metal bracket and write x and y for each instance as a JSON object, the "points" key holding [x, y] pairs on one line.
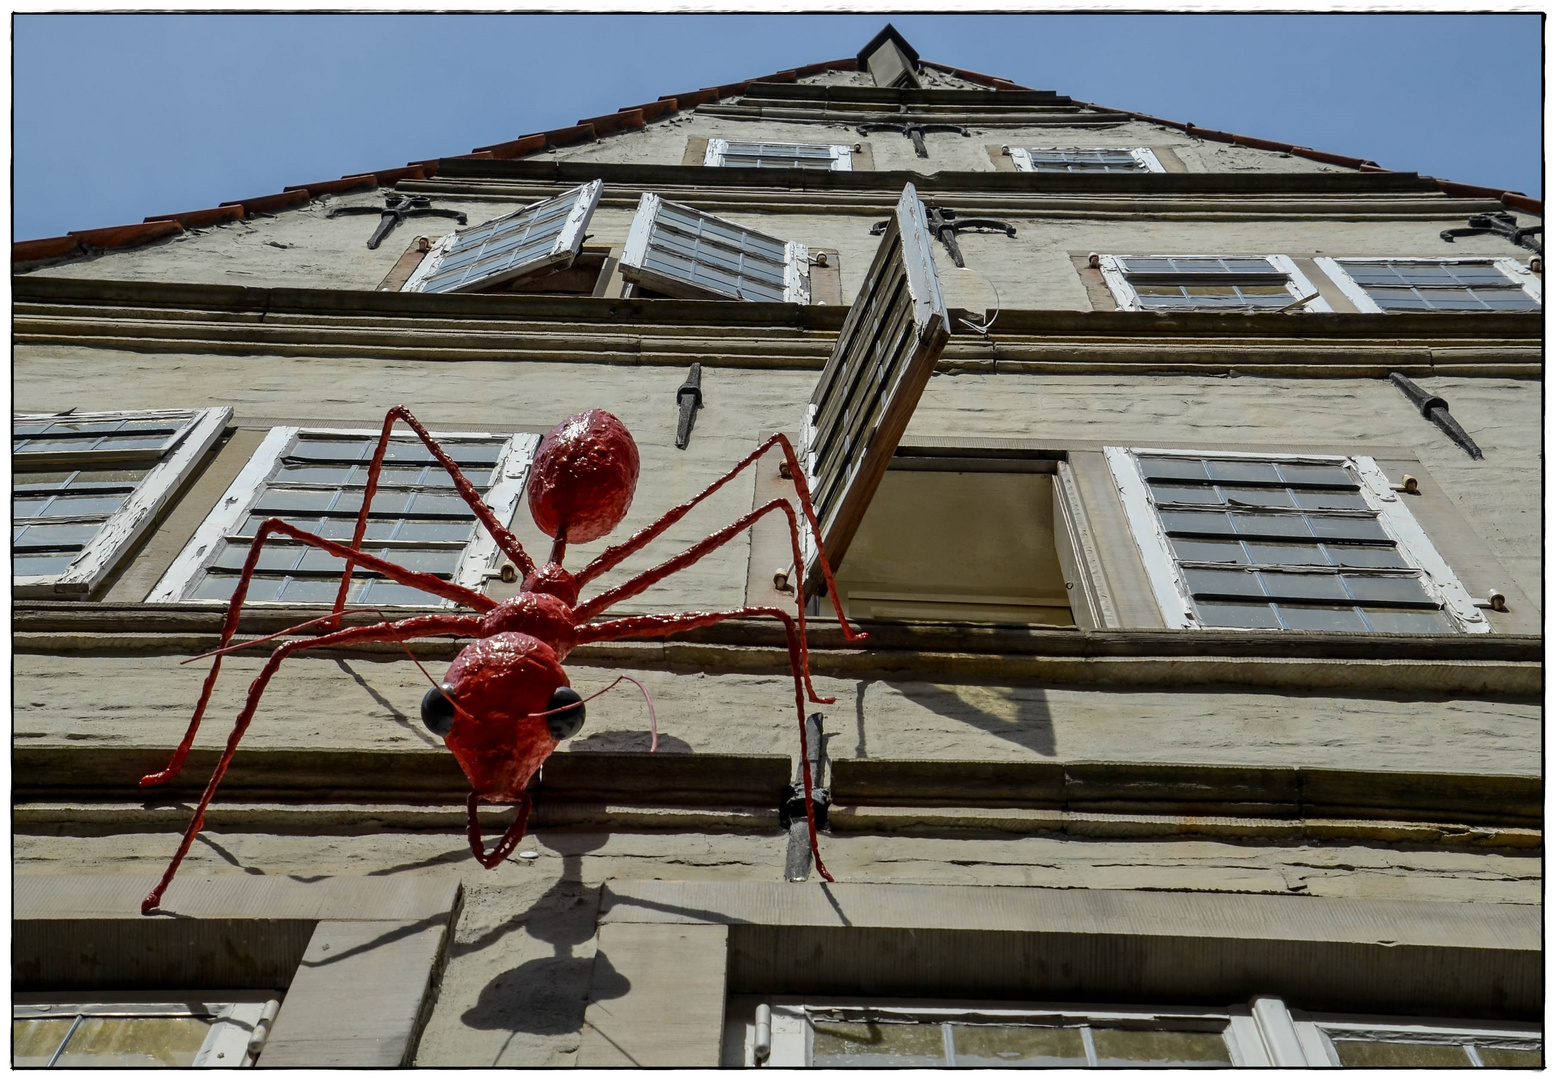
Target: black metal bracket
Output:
{"points": [[1503, 225], [396, 209], [916, 133], [689, 398], [1435, 409], [944, 224], [791, 810]]}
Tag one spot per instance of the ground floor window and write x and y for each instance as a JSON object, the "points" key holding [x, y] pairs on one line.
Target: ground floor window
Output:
{"points": [[174, 1031], [834, 1033]]}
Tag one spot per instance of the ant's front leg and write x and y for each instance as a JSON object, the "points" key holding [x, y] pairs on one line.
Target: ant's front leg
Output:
{"points": [[662, 625], [404, 630], [272, 526], [505, 540], [613, 555], [584, 612]]}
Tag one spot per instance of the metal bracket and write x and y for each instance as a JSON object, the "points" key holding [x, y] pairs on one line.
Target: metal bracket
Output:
{"points": [[1503, 225], [916, 133], [689, 397], [1435, 409], [944, 224], [396, 209]]}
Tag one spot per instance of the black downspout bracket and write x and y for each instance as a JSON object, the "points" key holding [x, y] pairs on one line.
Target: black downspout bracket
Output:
{"points": [[689, 399], [1435, 409], [396, 209]]}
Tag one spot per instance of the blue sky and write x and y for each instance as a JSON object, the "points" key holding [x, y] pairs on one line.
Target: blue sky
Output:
{"points": [[120, 116]]}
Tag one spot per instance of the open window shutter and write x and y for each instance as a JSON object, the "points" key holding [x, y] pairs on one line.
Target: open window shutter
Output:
{"points": [[542, 236], [679, 251], [894, 334]]}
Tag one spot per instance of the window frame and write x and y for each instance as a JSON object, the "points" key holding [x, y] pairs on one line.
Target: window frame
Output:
{"points": [[1128, 299], [842, 153], [796, 271], [1516, 272], [1021, 158], [515, 456], [564, 249], [122, 530], [235, 1018], [1263, 1033], [1166, 575]]}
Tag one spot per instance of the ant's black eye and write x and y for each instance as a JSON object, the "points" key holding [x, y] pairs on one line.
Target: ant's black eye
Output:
{"points": [[565, 724], [437, 709]]}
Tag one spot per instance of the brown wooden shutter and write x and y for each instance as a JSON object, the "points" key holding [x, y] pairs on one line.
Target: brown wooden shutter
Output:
{"points": [[895, 331]]}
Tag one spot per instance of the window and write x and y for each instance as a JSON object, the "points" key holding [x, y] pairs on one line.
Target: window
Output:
{"points": [[678, 251], [85, 488], [779, 155], [851, 1034], [1087, 160], [1209, 283], [313, 479], [895, 331], [1436, 284], [1291, 542], [1389, 1042], [543, 236], [178, 1031]]}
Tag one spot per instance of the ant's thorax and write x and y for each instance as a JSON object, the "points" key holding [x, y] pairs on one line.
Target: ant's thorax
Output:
{"points": [[541, 614]]}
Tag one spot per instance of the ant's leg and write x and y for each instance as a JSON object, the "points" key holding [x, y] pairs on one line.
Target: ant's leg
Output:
{"points": [[660, 625], [605, 600], [427, 582], [405, 629], [613, 555], [505, 540], [510, 839]]}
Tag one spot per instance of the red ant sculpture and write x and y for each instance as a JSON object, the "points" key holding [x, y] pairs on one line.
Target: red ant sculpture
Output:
{"points": [[505, 703]]}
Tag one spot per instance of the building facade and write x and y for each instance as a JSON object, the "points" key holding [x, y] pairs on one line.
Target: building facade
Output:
{"points": [[1187, 485]]}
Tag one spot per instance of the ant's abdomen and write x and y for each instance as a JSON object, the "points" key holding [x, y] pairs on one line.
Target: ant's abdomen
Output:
{"points": [[538, 615]]}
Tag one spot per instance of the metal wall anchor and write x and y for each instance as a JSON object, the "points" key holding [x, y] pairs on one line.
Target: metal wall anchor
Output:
{"points": [[689, 397], [916, 133], [1503, 225], [944, 224], [1435, 409], [396, 209], [791, 808]]}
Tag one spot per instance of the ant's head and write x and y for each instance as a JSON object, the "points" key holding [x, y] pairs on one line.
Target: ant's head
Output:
{"points": [[502, 708], [583, 478]]}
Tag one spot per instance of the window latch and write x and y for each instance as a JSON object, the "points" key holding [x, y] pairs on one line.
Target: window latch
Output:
{"points": [[689, 398], [396, 209]]}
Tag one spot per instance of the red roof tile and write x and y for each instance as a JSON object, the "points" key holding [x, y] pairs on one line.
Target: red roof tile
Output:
{"points": [[199, 219]]}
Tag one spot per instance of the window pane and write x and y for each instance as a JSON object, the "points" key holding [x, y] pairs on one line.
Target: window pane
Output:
{"points": [[41, 565], [1316, 475], [1507, 1057], [1347, 528], [1338, 619], [1173, 468], [1387, 590], [1257, 472], [1196, 523], [1358, 1054], [1303, 586], [144, 1041], [1330, 500], [1227, 551], [1267, 553], [873, 1045], [33, 1042], [986, 1046], [1249, 496], [1355, 555], [1223, 583], [78, 505], [379, 591], [1250, 616], [1409, 621], [1273, 526], [1162, 1049], [1171, 493], [55, 536], [309, 590]]}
